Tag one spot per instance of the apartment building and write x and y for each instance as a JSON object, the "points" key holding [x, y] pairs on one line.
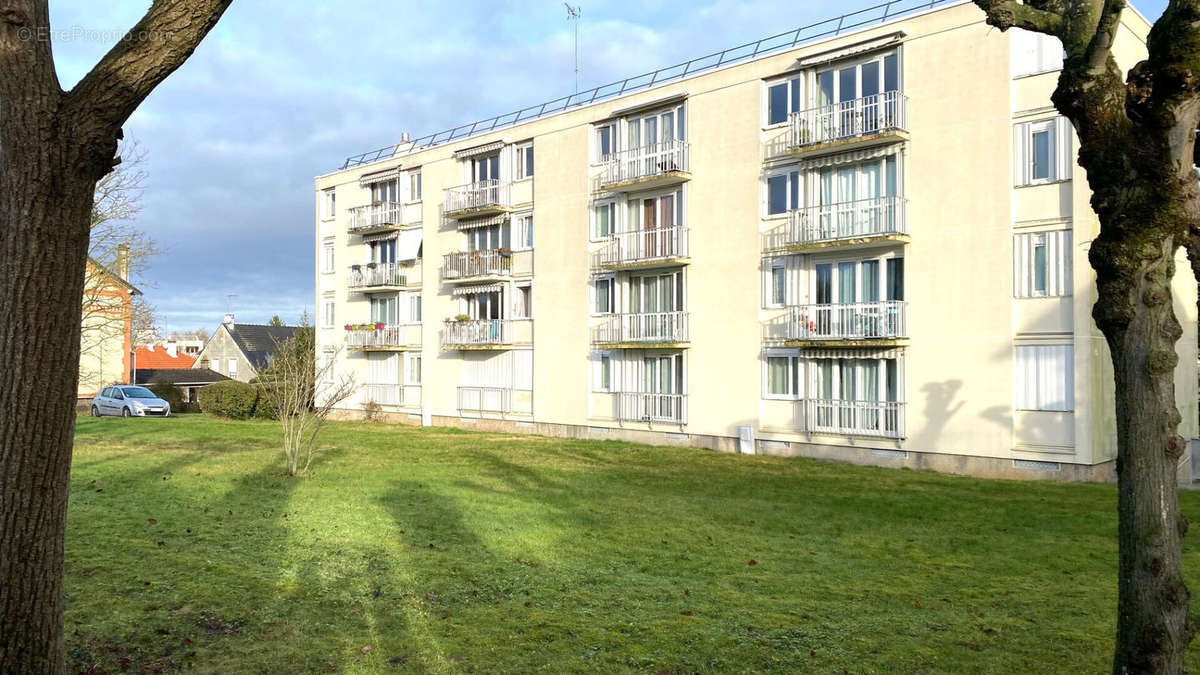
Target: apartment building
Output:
{"points": [[865, 240]]}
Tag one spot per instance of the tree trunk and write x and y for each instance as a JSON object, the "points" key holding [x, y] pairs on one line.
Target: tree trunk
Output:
{"points": [[1152, 622], [45, 201]]}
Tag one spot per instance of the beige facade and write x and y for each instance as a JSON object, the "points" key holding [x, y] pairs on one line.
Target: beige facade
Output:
{"points": [[869, 248]]}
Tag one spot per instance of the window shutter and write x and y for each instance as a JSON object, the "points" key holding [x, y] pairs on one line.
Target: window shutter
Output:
{"points": [[1021, 267], [1021, 142], [1065, 157]]}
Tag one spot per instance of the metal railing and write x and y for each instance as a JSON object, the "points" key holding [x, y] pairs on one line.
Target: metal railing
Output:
{"points": [[854, 321], [466, 264], [647, 407], [371, 338], [376, 274], [478, 195], [373, 216], [810, 33], [643, 327], [883, 419], [843, 220], [858, 117], [485, 399], [479, 332], [383, 394], [644, 162], [643, 245]]}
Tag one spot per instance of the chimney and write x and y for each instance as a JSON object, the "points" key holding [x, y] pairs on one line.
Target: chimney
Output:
{"points": [[404, 138], [228, 320], [172, 349], [123, 261]]}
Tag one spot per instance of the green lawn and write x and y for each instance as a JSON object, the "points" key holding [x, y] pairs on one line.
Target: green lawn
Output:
{"points": [[420, 550]]}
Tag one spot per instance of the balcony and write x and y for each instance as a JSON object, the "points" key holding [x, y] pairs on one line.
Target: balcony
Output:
{"points": [[879, 419], [486, 333], [482, 198], [382, 217], [647, 407], [871, 323], [643, 248], [846, 224], [382, 277], [640, 330], [650, 166], [871, 120], [383, 337], [473, 266]]}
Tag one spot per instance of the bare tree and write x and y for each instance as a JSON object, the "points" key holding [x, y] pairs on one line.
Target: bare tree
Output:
{"points": [[55, 146], [1137, 139], [303, 392]]}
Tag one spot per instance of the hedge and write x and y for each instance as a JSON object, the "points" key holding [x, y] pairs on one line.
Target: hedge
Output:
{"points": [[234, 400], [171, 394]]}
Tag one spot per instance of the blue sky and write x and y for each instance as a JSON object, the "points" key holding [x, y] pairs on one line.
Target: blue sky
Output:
{"points": [[282, 91]]}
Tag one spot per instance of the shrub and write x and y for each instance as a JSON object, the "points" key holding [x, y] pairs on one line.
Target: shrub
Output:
{"points": [[235, 400], [171, 394]]}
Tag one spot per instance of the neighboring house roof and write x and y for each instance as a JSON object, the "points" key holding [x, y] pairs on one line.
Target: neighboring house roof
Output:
{"points": [[191, 377], [150, 358], [259, 343], [133, 290]]}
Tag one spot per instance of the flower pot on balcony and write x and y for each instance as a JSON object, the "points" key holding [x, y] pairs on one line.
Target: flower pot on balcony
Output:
{"points": [[380, 326]]}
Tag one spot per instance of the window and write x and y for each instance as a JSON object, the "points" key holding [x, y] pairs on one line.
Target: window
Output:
{"points": [[328, 204], [783, 98], [383, 310], [606, 140], [1045, 378], [778, 284], [485, 168], [783, 192], [524, 234], [385, 191], [414, 308], [1034, 52], [1042, 264], [489, 237], [603, 379], [604, 296], [650, 130], [782, 376], [383, 251], [329, 318], [866, 79], [412, 368], [1043, 152], [604, 220], [327, 257], [233, 369], [414, 186], [523, 303], [524, 161]]}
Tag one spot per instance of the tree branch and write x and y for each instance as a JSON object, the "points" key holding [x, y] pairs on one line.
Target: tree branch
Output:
{"points": [[153, 49], [1005, 14], [1100, 47]]}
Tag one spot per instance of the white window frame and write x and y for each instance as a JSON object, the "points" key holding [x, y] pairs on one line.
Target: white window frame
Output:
{"points": [[794, 176], [521, 232], [330, 309], [413, 365], [328, 204], [413, 308], [611, 281], [522, 307], [795, 374], [233, 369], [776, 268], [1034, 53], [612, 126], [793, 82], [413, 186], [614, 210], [1030, 396], [328, 253], [520, 152], [604, 360], [1058, 264], [1061, 153]]}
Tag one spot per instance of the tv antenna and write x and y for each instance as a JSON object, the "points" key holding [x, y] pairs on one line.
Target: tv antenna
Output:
{"points": [[573, 15]]}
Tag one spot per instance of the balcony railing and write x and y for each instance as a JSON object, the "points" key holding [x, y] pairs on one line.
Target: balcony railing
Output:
{"points": [[485, 399], [856, 321], [376, 216], [836, 222], [480, 332], [646, 327], [383, 394], [467, 264], [377, 274], [646, 407], [381, 338], [884, 419], [643, 246], [647, 161], [858, 117], [479, 195]]}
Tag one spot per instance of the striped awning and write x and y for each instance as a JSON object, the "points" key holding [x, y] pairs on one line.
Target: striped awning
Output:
{"points": [[486, 148], [851, 157], [833, 353], [483, 222], [483, 288], [382, 236], [378, 176]]}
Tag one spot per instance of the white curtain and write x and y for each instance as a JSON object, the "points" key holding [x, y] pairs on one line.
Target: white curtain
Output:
{"points": [[1044, 377]]}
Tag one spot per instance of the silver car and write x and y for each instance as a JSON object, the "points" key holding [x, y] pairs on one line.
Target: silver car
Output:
{"points": [[129, 401]]}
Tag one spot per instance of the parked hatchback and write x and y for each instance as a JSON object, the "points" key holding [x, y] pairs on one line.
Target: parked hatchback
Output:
{"points": [[129, 401]]}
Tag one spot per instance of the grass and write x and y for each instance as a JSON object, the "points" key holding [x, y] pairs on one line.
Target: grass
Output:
{"points": [[418, 550]]}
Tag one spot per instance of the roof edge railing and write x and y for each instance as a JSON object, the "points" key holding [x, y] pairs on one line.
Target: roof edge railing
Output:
{"points": [[877, 14]]}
